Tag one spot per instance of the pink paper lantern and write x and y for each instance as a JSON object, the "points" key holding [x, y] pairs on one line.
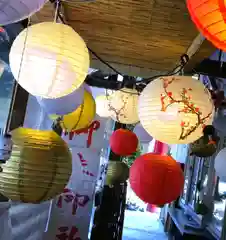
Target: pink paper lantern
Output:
{"points": [[63, 105], [142, 135], [16, 10]]}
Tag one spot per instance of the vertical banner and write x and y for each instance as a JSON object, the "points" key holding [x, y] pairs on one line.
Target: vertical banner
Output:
{"points": [[73, 208]]}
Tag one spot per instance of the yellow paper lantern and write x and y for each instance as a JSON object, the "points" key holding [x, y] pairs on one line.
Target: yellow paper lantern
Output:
{"points": [[49, 60], [175, 109], [102, 106], [123, 106], [82, 117], [39, 168]]}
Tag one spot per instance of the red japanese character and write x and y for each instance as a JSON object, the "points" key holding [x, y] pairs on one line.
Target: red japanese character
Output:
{"points": [[63, 235], [77, 200], [84, 164], [94, 126]]}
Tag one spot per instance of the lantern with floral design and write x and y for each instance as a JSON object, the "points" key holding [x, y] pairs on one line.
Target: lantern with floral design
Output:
{"points": [[175, 109], [123, 106]]}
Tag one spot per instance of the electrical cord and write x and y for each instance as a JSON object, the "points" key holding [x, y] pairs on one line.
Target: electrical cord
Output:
{"points": [[104, 62]]}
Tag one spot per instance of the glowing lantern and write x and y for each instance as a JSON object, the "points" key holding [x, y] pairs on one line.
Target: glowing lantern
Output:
{"points": [[220, 164], [15, 11], [102, 106], [63, 105], [142, 135], [123, 106], [123, 142], [49, 60], [209, 17], [156, 179], [118, 172], [39, 168], [81, 117], [175, 109]]}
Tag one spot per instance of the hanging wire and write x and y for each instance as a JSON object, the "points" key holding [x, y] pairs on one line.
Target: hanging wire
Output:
{"points": [[104, 62], [16, 83], [57, 10]]}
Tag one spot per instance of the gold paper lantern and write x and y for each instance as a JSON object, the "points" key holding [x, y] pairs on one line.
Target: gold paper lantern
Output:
{"points": [[82, 117], [39, 168], [49, 60], [175, 109], [123, 106], [102, 106]]}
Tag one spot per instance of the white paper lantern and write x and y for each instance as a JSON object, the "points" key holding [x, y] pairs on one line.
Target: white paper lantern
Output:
{"points": [[175, 109], [63, 105], [123, 106], [220, 164], [16, 10], [102, 106], [49, 60]]}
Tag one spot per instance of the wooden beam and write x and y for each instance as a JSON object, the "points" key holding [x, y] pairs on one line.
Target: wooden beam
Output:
{"points": [[197, 52]]}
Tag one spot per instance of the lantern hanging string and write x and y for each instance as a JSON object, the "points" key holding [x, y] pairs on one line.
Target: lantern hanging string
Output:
{"points": [[16, 83], [57, 10]]}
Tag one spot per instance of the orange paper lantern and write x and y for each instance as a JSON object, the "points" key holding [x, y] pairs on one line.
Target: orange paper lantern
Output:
{"points": [[123, 142], [156, 179], [209, 17]]}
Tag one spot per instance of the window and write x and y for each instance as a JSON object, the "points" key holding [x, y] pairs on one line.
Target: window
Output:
{"points": [[200, 174]]}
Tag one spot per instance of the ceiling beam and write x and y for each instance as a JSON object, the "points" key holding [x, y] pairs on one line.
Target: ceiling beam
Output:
{"points": [[199, 50]]}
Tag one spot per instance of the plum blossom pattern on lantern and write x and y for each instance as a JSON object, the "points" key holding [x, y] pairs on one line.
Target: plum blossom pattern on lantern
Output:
{"points": [[76, 199], [119, 113], [65, 233], [188, 106]]}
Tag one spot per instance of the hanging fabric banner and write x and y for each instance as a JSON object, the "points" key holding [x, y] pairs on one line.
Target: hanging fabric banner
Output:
{"points": [[91, 137], [73, 208]]}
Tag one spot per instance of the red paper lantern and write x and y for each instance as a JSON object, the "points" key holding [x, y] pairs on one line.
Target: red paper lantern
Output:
{"points": [[123, 142], [210, 18], [156, 179]]}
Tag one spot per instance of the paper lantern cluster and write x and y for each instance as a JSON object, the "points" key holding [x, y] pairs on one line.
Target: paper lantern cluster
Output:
{"points": [[39, 168], [15, 11], [175, 109], [49, 60], [156, 179], [210, 19], [123, 142]]}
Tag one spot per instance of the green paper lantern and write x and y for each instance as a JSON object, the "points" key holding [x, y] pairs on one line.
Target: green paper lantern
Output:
{"points": [[202, 147], [118, 172]]}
